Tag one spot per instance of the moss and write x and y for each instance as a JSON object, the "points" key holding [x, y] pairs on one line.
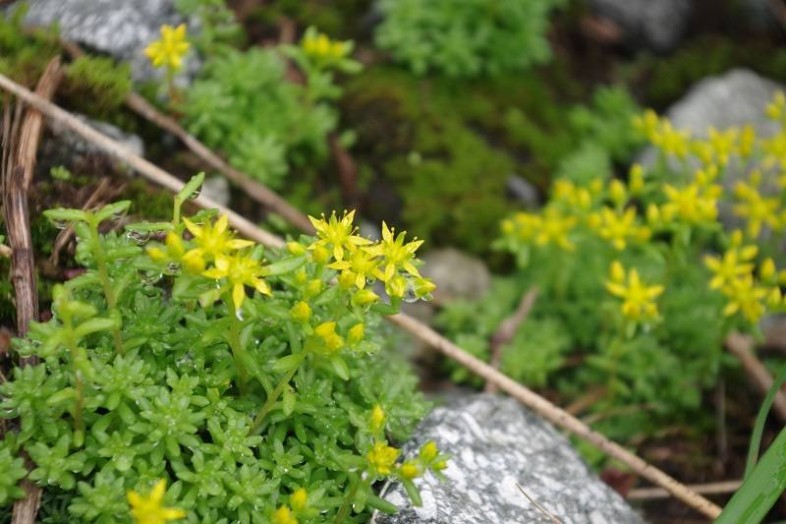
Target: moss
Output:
{"points": [[25, 54], [662, 80], [96, 85], [448, 148]]}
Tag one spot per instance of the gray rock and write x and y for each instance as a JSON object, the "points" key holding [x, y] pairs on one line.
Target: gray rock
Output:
{"points": [[456, 274], [64, 147], [497, 447], [655, 25], [523, 191], [121, 28], [216, 188], [735, 98]]}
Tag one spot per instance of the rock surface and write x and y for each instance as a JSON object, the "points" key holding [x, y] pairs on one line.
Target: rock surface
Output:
{"points": [[655, 25], [735, 98], [497, 446], [121, 28], [456, 274]]}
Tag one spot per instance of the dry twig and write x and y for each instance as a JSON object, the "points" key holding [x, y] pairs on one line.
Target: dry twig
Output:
{"points": [[741, 346], [713, 488], [527, 397], [254, 189], [20, 145]]}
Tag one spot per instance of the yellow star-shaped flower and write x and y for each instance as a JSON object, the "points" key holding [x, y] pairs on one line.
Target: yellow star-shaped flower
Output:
{"points": [[170, 49], [149, 509]]}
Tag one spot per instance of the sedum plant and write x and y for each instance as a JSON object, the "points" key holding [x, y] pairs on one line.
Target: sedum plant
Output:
{"points": [[466, 38], [645, 273], [244, 103], [187, 373]]}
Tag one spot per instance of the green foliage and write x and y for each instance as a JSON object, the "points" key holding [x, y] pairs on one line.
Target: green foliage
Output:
{"points": [[159, 364], [244, 104], [466, 38], [217, 29], [25, 54], [625, 266], [531, 357], [97, 85]]}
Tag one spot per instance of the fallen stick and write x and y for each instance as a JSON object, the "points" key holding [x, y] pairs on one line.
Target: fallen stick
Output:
{"points": [[741, 346], [254, 189], [507, 330], [712, 488], [148, 169], [524, 395], [20, 145]]}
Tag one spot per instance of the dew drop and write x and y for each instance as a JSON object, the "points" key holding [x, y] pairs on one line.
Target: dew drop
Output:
{"points": [[172, 268], [150, 277], [60, 224], [239, 314], [195, 194], [138, 237]]}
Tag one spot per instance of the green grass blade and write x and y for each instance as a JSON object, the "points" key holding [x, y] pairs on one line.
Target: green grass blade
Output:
{"points": [[761, 418], [761, 489]]}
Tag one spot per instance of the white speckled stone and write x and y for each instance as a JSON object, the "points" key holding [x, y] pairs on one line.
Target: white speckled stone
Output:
{"points": [[496, 444]]}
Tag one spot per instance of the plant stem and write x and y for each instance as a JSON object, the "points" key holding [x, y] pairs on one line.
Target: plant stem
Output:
{"points": [[106, 283], [238, 352], [343, 511], [268, 405]]}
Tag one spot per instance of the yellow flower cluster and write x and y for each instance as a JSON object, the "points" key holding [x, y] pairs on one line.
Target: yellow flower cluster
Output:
{"points": [[381, 458], [149, 509], [170, 49], [215, 253], [757, 209], [321, 48], [733, 276], [638, 299], [359, 260]]}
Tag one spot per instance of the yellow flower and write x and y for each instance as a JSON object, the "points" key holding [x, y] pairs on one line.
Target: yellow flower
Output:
{"points": [[360, 266], [429, 451], [758, 209], [364, 297], [213, 240], [321, 48], [746, 298], [691, 204], [325, 339], [170, 49], [283, 515], [239, 271], [670, 140], [775, 108], [409, 470], [617, 192], [555, 228], [618, 228], [356, 334], [381, 458], [396, 255], [638, 299], [298, 499], [735, 263], [149, 509], [301, 311], [636, 179], [172, 252], [336, 235], [377, 418]]}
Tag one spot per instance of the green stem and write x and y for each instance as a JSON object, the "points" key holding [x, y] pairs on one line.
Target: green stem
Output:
{"points": [[238, 352], [343, 511], [268, 405], [79, 386], [106, 284], [761, 418]]}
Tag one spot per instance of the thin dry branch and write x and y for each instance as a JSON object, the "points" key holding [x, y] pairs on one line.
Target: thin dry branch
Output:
{"points": [[254, 189], [741, 346], [527, 397], [19, 153], [507, 330], [149, 170], [712, 488]]}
